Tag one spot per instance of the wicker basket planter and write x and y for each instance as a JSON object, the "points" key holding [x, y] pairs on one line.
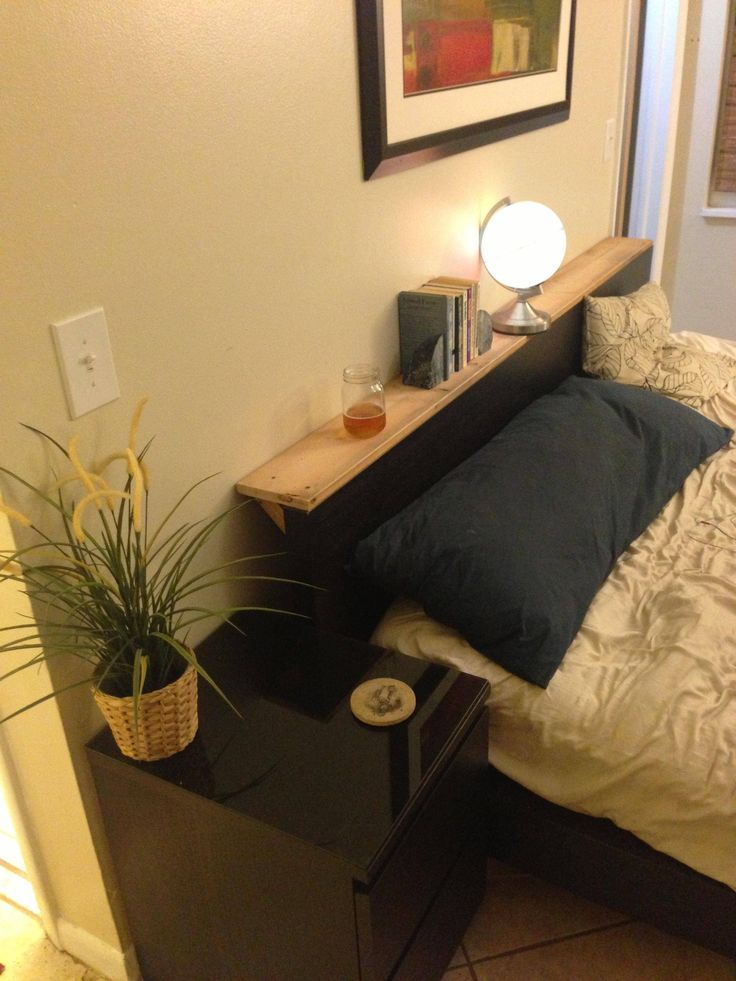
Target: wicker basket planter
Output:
{"points": [[167, 719]]}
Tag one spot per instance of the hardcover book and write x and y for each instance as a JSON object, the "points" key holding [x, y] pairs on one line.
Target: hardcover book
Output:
{"points": [[426, 326], [459, 356], [470, 286]]}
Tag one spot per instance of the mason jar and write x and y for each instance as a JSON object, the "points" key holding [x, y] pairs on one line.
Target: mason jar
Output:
{"points": [[363, 400]]}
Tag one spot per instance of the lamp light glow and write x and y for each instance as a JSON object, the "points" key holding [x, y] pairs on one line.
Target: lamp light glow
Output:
{"points": [[522, 245]]}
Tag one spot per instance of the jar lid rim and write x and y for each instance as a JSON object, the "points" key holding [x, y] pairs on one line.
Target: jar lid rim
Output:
{"points": [[360, 371]]}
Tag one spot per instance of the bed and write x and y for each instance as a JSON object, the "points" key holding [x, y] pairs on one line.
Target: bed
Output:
{"points": [[638, 723], [613, 771]]}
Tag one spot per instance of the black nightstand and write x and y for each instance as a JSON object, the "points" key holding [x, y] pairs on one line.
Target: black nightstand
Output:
{"points": [[298, 843]]}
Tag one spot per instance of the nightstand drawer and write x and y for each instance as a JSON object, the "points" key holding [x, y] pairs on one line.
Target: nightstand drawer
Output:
{"points": [[444, 926], [392, 909]]}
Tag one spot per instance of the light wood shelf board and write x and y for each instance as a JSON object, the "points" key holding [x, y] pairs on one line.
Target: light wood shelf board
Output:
{"points": [[311, 470], [307, 473]]}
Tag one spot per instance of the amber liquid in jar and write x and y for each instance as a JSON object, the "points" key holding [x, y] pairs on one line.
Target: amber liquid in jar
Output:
{"points": [[364, 419], [363, 401]]}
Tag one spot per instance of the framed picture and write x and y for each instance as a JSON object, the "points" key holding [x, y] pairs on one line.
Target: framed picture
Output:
{"points": [[441, 76]]}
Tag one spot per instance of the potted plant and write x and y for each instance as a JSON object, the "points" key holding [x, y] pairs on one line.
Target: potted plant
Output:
{"points": [[118, 593]]}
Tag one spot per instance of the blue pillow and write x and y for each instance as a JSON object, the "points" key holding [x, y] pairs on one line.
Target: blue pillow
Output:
{"points": [[511, 546]]}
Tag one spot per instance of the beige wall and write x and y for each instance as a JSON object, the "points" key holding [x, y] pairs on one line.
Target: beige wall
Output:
{"points": [[195, 169], [698, 270]]}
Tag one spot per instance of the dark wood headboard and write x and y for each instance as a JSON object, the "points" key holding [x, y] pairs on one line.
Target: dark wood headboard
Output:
{"points": [[324, 515]]}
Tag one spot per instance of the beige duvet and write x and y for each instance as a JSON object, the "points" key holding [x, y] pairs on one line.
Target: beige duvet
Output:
{"points": [[639, 723]]}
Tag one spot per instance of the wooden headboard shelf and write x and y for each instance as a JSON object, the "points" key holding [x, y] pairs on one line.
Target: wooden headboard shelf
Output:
{"points": [[310, 471], [329, 490]]}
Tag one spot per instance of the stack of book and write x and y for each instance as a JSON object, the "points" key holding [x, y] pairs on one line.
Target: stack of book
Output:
{"points": [[438, 330]]}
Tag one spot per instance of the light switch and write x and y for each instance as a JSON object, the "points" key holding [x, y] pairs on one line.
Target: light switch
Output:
{"points": [[85, 360]]}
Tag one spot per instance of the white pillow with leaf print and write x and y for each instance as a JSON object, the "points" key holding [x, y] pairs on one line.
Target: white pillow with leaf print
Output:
{"points": [[690, 375], [623, 335]]}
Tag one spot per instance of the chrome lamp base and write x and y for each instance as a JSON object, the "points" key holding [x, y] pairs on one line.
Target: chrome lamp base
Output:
{"points": [[520, 317]]}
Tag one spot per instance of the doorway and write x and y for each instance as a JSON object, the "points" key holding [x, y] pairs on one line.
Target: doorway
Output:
{"points": [[660, 66], [15, 884]]}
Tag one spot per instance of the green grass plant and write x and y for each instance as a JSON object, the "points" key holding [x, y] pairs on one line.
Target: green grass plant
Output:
{"points": [[108, 588]]}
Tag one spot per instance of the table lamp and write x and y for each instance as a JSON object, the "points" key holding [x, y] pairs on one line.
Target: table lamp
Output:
{"points": [[522, 245]]}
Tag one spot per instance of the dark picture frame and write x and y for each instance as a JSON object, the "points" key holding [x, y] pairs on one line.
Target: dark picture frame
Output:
{"points": [[503, 107]]}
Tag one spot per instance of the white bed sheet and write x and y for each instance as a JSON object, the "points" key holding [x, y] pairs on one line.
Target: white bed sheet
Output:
{"points": [[639, 723]]}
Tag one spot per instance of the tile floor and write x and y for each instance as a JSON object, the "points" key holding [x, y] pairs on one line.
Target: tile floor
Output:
{"points": [[525, 930]]}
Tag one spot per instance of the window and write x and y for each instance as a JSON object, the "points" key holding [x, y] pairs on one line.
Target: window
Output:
{"points": [[723, 177]]}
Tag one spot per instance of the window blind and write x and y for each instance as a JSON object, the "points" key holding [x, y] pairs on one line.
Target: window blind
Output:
{"points": [[724, 164]]}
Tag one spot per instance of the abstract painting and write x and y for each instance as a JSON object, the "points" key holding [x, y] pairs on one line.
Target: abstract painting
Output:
{"points": [[441, 76]]}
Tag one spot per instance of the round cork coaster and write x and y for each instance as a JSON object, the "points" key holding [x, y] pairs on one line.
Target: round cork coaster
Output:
{"points": [[382, 701]]}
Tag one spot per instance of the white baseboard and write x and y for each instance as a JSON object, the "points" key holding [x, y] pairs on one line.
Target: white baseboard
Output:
{"points": [[117, 965]]}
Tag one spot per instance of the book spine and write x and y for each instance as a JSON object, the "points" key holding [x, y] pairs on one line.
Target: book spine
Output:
{"points": [[469, 287]]}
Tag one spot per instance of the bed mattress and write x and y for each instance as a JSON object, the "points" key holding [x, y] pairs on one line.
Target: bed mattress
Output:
{"points": [[638, 725]]}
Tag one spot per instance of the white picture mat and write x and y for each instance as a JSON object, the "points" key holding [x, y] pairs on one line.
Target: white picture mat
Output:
{"points": [[435, 112]]}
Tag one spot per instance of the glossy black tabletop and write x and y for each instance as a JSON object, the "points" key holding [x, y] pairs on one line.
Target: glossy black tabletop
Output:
{"points": [[296, 758]]}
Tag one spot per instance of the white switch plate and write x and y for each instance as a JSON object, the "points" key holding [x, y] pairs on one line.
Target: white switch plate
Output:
{"points": [[85, 359]]}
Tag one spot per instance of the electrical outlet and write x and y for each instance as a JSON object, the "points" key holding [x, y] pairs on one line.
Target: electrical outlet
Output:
{"points": [[85, 360], [609, 140]]}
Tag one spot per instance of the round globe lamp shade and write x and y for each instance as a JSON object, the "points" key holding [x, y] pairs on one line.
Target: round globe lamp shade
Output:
{"points": [[522, 245]]}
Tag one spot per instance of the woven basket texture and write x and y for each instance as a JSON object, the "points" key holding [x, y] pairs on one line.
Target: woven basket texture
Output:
{"points": [[167, 719]]}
